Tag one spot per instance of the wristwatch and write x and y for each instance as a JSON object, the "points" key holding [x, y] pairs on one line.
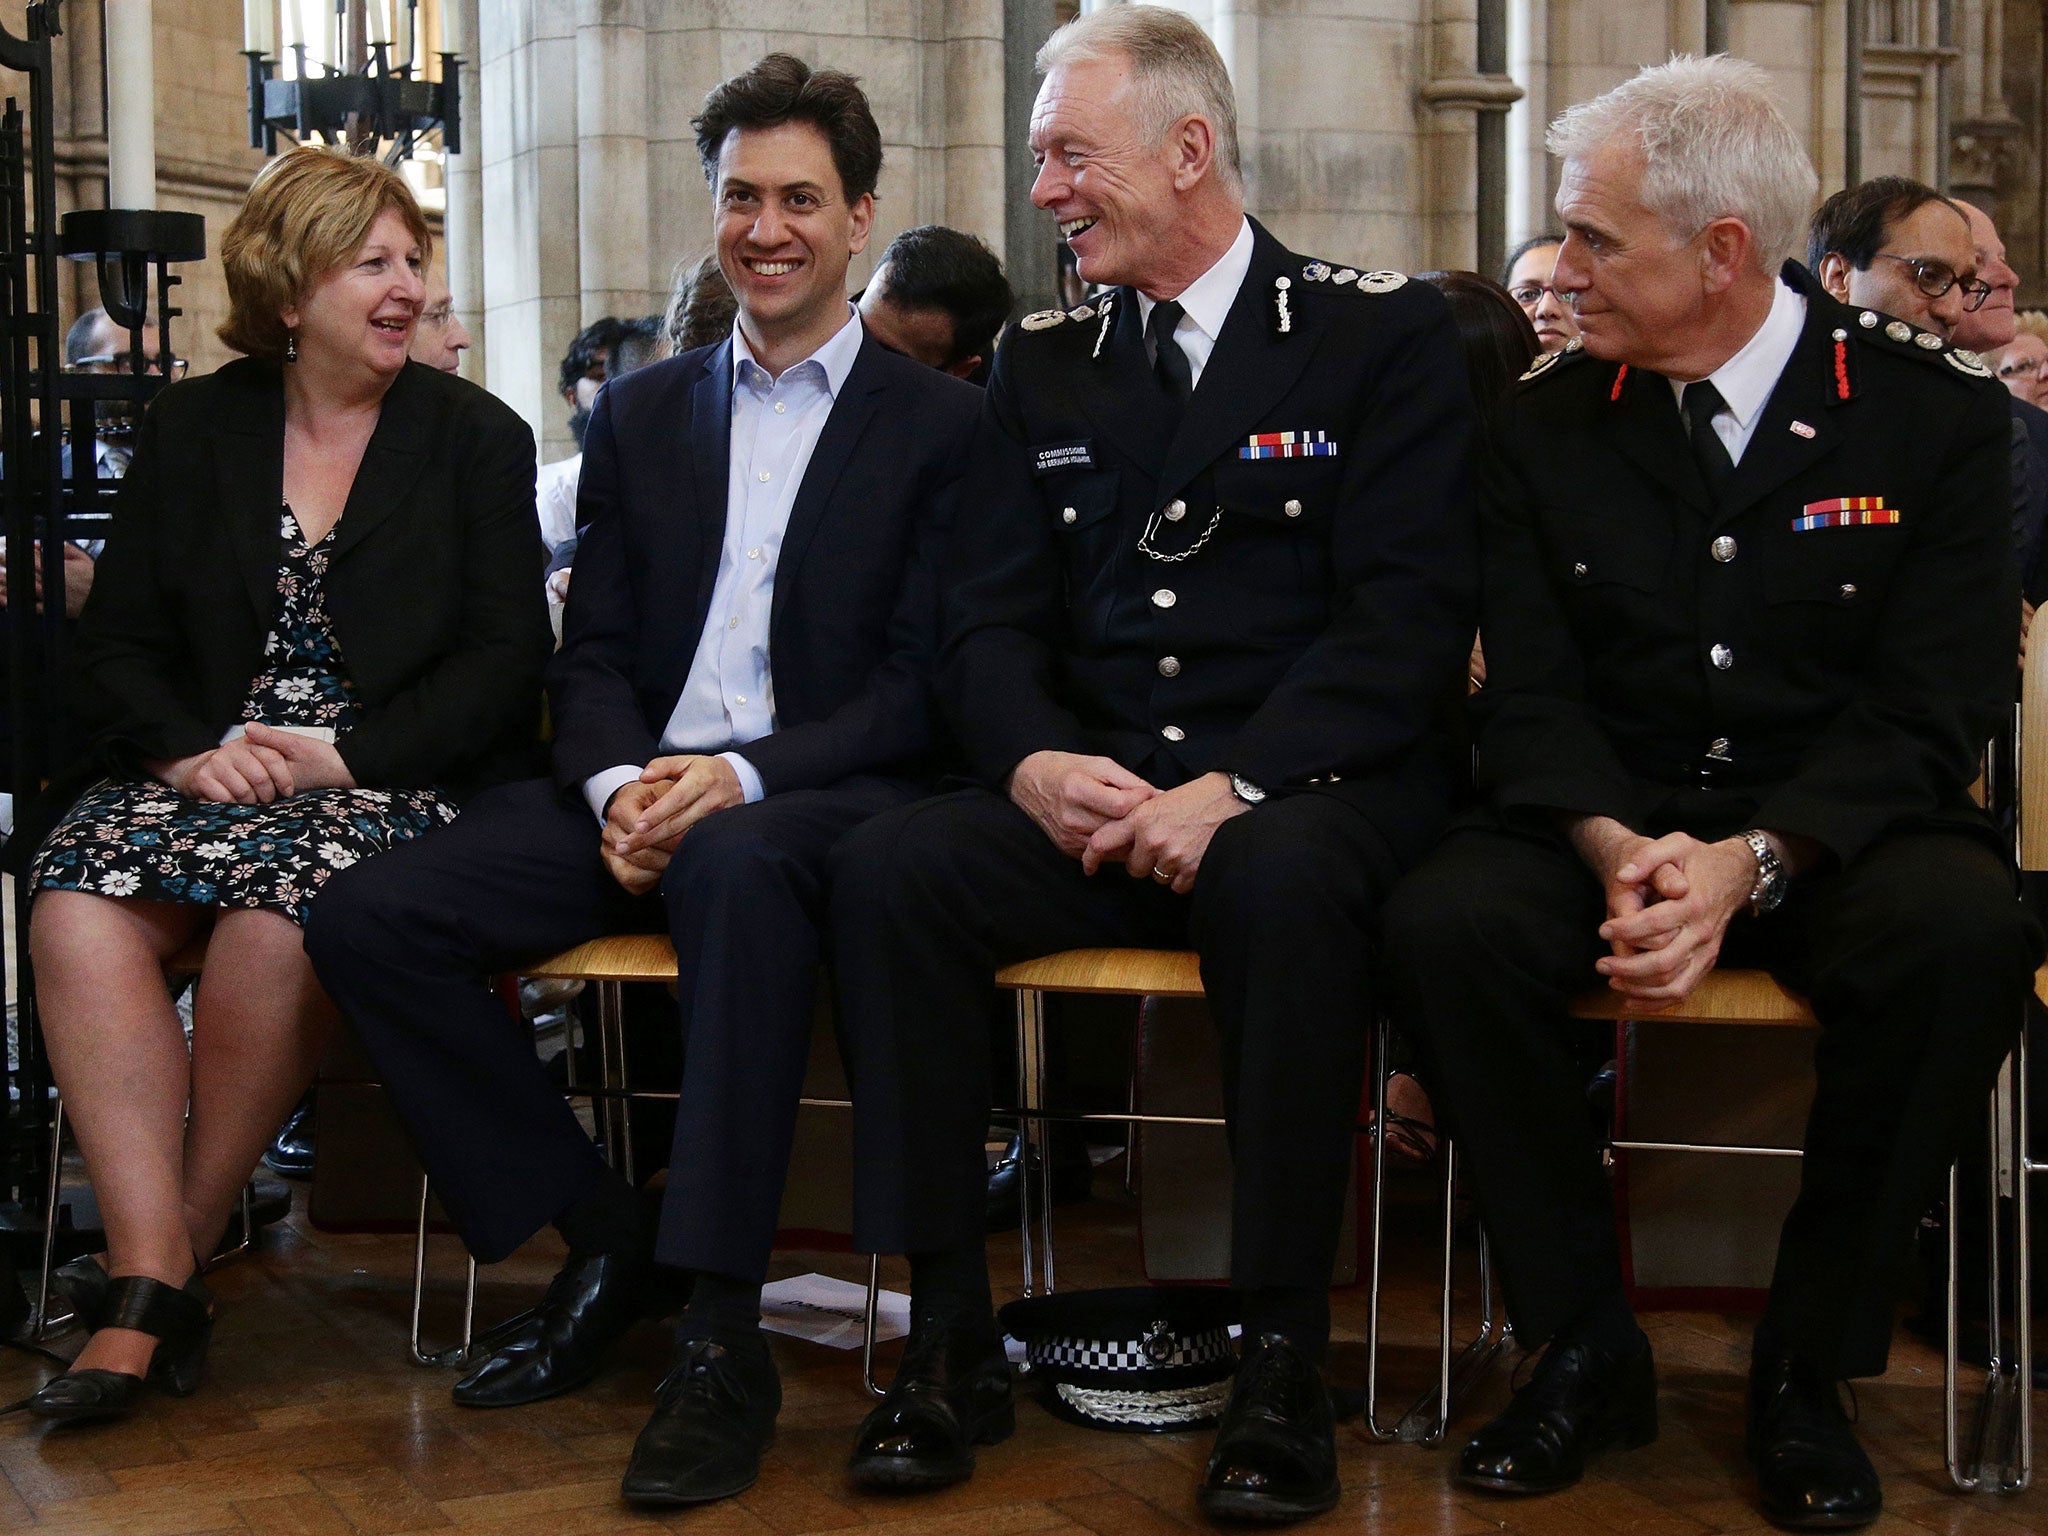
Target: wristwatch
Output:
{"points": [[1246, 790], [1771, 879]]}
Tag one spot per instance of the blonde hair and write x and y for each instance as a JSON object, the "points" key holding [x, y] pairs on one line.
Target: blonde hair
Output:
{"points": [[307, 212], [2031, 322], [1175, 71], [1714, 145]]}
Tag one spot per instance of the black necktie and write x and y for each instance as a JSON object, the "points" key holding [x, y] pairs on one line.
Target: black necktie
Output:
{"points": [[1168, 361], [1699, 402]]}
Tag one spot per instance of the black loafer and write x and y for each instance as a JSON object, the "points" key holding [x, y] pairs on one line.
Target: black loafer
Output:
{"points": [[1811, 1474], [562, 1343], [951, 1393], [1276, 1448], [714, 1415], [1580, 1401], [1073, 1178]]}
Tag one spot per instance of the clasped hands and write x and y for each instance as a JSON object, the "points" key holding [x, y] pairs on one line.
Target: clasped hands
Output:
{"points": [[648, 816], [259, 766], [1099, 812], [1669, 902]]}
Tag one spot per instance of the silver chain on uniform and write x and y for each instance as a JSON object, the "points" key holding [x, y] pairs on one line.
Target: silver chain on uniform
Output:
{"points": [[1152, 527]]}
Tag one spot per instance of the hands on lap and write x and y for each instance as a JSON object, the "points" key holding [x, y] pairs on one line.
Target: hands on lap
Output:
{"points": [[1669, 902], [264, 765], [648, 817], [1099, 812]]}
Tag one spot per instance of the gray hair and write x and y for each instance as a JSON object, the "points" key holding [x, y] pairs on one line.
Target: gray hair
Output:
{"points": [[1175, 71], [1715, 145]]}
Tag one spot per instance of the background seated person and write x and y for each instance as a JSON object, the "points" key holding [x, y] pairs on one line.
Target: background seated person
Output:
{"points": [[745, 676], [1747, 577], [1219, 668], [314, 630], [938, 295]]}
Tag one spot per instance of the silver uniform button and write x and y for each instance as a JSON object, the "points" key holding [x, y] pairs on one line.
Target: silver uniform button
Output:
{"points": [[1718, 747], [1292, 508], [1069, 515], [1848, 590], [1721, 657], [1579, 569], [1169, 666], [1173, 733], [1164, 598], [1723, 549], [1176, 510]]}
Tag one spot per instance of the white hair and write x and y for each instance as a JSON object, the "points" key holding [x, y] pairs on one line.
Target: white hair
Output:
{"points": [[1715, 145], [1175, 71]]}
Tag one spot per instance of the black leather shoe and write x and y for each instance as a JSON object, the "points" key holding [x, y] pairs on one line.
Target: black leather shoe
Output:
{"points": [[1810, 1472], [291, 1151], [714, 1415], [82, 1283], [181, 1321], [1580, 1401], [562, 1343], [951, 1393], [1073, 1178], [1276, 1448]]}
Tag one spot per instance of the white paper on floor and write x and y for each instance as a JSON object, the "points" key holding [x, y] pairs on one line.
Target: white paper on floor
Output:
{"points": [[832, 1312]]}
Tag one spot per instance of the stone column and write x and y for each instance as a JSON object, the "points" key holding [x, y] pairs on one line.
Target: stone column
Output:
{"points": [[463, 223], [611, 159], [1457, 93]]}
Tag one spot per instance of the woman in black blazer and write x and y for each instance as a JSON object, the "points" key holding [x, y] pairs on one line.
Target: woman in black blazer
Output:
{"points": [[317, 624]]}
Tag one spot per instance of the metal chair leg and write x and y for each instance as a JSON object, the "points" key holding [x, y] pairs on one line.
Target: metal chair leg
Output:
{"points": [[1032, 1148], [457, 1354], [1427, 1419], [867, 1341], [40, 1325], [1997, 1456]]}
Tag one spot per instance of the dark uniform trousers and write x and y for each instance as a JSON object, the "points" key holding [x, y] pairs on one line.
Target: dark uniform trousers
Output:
{"points": [[1917, 961], [929, 900], [405, 944]]}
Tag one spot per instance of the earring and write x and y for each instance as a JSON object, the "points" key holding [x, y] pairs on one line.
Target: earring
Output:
{"points": [[291, 346]]}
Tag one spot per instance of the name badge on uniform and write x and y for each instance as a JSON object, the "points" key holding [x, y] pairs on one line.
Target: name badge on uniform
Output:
{"points": [[1844, 512], [1050, 458], [1288, 445]]}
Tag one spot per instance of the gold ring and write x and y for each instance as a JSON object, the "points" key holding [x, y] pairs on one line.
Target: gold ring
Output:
{"points": [[1162, 877]]}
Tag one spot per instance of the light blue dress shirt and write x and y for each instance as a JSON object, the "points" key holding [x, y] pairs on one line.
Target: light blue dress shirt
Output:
{"points": [[728, 699]]}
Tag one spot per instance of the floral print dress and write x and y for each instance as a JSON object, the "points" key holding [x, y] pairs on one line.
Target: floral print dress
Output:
{"points": [[143, 839]]}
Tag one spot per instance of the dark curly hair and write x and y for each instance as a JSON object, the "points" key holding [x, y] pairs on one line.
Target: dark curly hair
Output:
{"points": [[784, 89]]}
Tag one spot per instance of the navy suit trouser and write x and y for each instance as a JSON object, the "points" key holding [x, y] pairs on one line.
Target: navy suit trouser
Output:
{"points": [[406, 943]]}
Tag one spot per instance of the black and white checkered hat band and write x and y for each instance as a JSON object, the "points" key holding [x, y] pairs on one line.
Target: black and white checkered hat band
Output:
{"points": [[1159, 1352]]}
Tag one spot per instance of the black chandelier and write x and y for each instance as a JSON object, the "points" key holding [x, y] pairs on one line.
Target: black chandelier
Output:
{"points": [[383, 101]]}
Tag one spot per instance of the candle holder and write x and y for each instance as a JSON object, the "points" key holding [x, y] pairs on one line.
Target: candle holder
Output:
{"points": [[382, 102]]}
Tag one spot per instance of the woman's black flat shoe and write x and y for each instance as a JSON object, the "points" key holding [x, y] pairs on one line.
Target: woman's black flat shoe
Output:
{"points": [[179, 1319]]}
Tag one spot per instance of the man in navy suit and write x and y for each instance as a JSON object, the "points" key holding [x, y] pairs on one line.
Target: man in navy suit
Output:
{"points": [[744, 678]]}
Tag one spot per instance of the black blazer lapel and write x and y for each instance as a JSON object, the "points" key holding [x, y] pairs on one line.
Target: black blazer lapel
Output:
{"points": [[710, 450], [1648, 431], [249, 466], [396, 453], [1116, 386], [1251, 369], [1805, 393], [844, 423]]}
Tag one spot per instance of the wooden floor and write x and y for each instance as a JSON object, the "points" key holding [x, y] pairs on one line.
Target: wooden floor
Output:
{"points": [[311, 1420]]}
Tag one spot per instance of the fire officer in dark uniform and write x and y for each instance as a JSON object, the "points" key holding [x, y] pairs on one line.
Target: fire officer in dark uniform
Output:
{"points": [[1211, 595], [1748, 566]]}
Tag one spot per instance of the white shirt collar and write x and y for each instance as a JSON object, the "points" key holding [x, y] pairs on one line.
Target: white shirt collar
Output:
{"points": [[1747, 379], [835, 357], [1208, 298]]}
